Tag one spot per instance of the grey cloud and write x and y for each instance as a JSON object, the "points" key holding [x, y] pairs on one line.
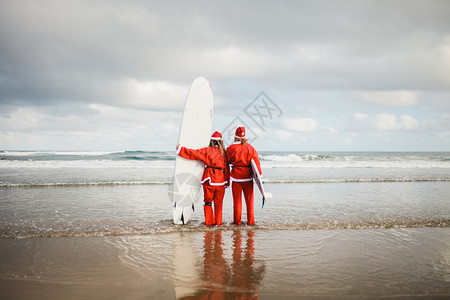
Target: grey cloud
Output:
{"points": [[60, 50], [62, 56]]}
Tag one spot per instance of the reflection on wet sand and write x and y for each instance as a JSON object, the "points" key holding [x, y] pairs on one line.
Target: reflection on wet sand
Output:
{"points": [[222, 276]]}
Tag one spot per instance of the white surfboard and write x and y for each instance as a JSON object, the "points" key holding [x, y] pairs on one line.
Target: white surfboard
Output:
{"points": [[259, 183], [195, 133]]}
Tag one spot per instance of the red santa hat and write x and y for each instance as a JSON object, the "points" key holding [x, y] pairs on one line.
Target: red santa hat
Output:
{"points": [[240, 132], [217, 136]]}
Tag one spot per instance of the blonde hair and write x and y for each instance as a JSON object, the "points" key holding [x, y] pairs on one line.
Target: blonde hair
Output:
{"points": [[241, 140], [218, 143]]}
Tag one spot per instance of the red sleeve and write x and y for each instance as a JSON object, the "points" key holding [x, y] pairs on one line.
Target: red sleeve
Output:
{"points": [[255, 157], [193, 154], [227, 170]]}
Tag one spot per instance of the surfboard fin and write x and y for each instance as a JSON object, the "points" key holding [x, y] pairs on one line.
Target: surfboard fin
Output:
{"points": [[268, 195]]}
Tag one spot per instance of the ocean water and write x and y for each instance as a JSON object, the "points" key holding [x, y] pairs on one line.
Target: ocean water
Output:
{"points": [[348, 225]]}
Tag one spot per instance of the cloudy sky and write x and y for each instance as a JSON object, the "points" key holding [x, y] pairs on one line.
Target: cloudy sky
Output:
{"points": [[301, 75]]}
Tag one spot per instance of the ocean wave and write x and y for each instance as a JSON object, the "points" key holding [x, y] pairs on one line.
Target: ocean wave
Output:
{"points": [[166, 226], [87, 155], [340, 164], [145, 155], [55, 153], [149, 159], [169, 181], [297, 157], [353, 180], [362, 160], [88, 164], [135, 162], [80, 184], [356, 156]]}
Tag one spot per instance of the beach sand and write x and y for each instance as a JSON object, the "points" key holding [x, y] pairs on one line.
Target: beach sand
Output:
{"points": [[237, 262]]}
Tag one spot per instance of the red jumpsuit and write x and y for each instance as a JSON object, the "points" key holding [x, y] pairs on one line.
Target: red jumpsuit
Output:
{"points": [[215, 177], [239, 156]]}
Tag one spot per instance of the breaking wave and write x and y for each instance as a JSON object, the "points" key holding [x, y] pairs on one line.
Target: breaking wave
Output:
{"points": [[362, 160], [169, 181], [166, 226], [80, 184]]}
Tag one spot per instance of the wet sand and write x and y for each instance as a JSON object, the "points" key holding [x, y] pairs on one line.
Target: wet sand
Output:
{"points": [[243, 263]]}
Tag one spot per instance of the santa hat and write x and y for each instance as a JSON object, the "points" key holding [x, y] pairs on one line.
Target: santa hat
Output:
{"points": [[217, 136], [240, 132]]}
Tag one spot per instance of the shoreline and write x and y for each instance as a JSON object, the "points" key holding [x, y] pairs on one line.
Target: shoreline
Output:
{"points": [[316, 264]]}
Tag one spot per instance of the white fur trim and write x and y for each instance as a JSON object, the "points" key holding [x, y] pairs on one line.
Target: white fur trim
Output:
{"points": [[212, 183], [179, 149], [241, 180], [239, 137], [217, 184], [216, 138]]}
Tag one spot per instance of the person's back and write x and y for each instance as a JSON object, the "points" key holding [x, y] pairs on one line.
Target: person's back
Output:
{"points": [[215, 176], [240, 155]]}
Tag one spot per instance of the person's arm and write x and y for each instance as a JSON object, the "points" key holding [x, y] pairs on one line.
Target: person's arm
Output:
{"points": [[256, 159], [227, 172], [192, 154]]}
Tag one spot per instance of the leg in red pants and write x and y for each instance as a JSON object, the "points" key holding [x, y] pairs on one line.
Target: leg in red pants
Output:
{"points": [[213, 194], [237, 189]]}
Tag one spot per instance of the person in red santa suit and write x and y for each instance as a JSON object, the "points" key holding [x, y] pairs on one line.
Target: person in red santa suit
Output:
{"points": [[215, 177], [239, 156]]}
